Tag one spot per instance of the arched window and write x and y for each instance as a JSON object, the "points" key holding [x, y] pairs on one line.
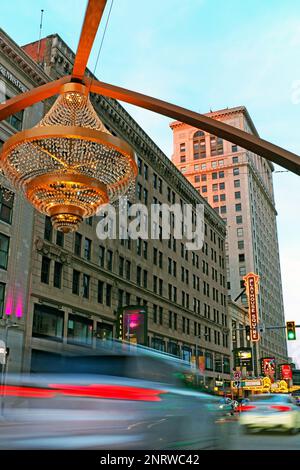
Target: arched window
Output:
{"points": [[198, 134]]}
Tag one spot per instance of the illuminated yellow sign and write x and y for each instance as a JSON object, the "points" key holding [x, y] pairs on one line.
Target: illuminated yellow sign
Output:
{"points": [[251, 283]]}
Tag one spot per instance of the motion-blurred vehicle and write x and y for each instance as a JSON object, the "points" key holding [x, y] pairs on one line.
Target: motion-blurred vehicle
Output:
{"points": [[225, 405], [126, 397], [242, 404], [271, 411]]}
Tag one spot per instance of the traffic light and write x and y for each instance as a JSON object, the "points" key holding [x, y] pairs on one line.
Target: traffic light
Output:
{"points": [[248, 334], [291, 330]]}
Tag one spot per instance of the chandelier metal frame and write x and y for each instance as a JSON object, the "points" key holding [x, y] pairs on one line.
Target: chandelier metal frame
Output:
{"points": [[93, 15]]}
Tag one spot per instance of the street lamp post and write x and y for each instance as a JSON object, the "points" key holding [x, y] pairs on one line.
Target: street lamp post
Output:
{"points": [[4, 366]]}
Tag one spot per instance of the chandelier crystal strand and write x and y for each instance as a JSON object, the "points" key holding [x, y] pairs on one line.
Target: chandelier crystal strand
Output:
{"points": [[69, 164]]}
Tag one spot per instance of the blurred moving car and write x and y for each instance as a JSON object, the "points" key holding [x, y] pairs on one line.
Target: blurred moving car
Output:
{"points": [[225, 405], [126, 397], [270, 411]]}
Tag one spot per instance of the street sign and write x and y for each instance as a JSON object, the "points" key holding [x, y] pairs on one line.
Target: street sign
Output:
{"points": [[237, 375]]}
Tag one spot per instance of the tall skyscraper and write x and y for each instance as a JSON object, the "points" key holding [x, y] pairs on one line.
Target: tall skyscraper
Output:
{"points": [[238, 185]]}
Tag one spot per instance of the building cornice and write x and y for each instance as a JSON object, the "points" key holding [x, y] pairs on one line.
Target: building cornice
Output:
{"points": [[22, 60]]}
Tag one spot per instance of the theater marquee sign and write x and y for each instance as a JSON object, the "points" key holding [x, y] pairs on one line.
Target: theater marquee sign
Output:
{"points": [[251, 283]]}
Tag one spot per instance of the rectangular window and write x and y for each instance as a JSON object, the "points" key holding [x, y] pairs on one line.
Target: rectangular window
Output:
{"points": [[215, 187], [203, 177], [215, 198], [160, 185], [108, 295], [45, 270], [145, 278], [223, 209], [138, 275], [214, 175], [16, 120], [221, 174], [6, 205], [89, 221], [86, 286], [100, 292], [2, 297], [48, 322], [160, 260], [48, 229], [75, 282], [242, 271], [234, 148], [121, 266], [60, 238], [128, 269], [241, 244], [160, 287], [197, 179], [57, 274], [77, 244], [182, 159], [80, 330], [109, 260], [145, 249], [154, 313], [238, 207], [222, 197], [237, 195], [4, 248], [145, 171], [120, 297], [239, 219], [101, 256], [145, 196], [87, 248], [204, 189], [155, 256], [140, 165], [182, 147], [160, 315], [241, 257], [236, 171], [237, 183], [222, 186]]}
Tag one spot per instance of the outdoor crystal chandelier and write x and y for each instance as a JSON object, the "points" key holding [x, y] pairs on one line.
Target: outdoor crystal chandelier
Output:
{"points": [[69, 165]]}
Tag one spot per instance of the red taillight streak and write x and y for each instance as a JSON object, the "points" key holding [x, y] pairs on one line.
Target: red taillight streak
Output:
{"points": [[27, 392], [247, 407], [281, 408], [114, 392]]}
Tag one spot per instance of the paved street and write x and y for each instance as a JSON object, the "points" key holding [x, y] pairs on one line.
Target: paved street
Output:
{"points": [[260, 441]]}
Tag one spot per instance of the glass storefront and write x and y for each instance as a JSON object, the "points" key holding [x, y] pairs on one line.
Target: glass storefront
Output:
{"points": [[80, 330], [48, 322]]}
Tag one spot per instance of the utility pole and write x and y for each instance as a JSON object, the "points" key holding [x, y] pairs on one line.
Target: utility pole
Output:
{"points": [[4, 366]]}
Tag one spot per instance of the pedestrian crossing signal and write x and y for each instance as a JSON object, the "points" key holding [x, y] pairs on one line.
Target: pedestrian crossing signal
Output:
{"points": [[291, 330]]}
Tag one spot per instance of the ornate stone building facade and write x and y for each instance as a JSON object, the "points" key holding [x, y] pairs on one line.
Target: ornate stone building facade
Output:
{"points": [[78, 282]]}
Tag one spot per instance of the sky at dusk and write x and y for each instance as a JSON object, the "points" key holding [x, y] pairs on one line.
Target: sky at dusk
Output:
{"points": [[202, 55]]}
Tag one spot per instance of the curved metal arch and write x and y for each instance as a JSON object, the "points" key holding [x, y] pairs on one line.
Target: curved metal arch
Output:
{"points": [[30, 97], [261, 147]]}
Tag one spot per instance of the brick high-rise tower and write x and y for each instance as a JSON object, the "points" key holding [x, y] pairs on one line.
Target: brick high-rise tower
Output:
{"points": [[238, 185]]}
